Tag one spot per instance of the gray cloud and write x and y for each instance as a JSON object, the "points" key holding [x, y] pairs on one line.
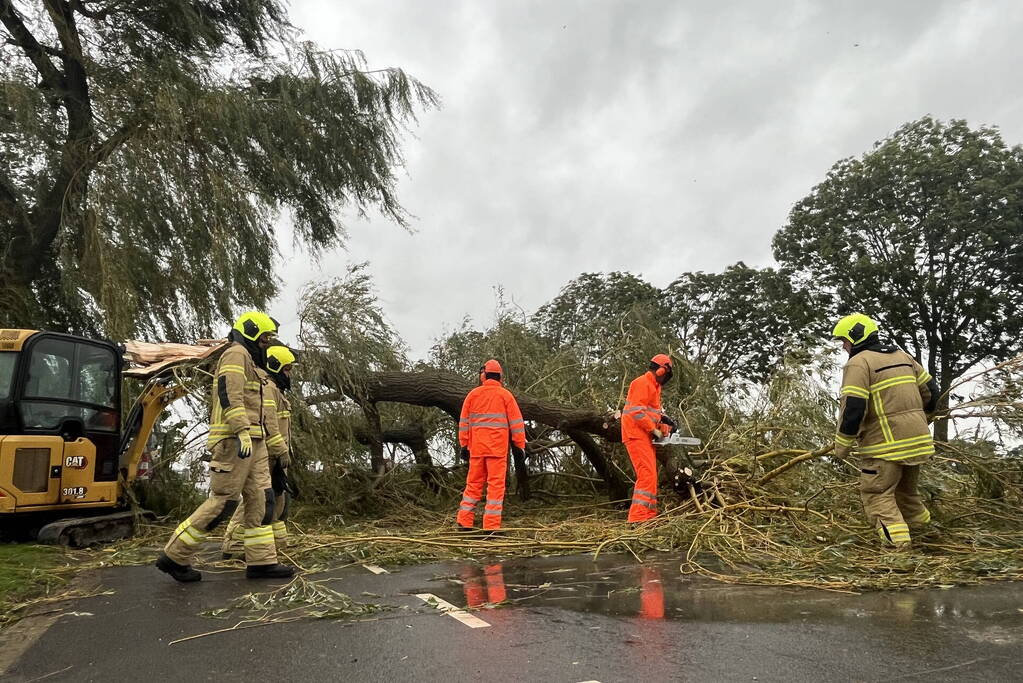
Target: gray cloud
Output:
{"points": [[584, 136]]}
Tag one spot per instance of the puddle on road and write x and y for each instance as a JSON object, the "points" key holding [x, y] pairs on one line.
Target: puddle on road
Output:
{"points": [[619, 587]]}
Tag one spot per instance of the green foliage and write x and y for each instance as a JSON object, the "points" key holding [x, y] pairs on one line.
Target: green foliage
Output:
{"points": [[141, 180], [740, 322], [924, 234], [595, 310], [27, 571], [344, 331]]}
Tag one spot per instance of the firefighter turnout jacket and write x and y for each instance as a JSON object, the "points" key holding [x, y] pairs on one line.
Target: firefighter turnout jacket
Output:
{"points": [[489, 415], [277, 418], [237, 401], [887, 399]]}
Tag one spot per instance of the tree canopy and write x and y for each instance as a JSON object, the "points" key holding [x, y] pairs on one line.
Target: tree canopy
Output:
{"points": [[740, 322], [924, 233], [147, 150]]}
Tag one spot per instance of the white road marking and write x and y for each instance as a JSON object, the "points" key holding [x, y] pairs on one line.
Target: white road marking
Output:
{"points": [[461, 615], [375, 569]]}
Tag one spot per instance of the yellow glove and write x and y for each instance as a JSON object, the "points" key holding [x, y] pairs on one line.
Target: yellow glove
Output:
{"points": [[244, 444]]}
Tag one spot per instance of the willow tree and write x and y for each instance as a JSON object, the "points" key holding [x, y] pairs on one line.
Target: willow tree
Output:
{"points": [[924, 232], [147, 150]]}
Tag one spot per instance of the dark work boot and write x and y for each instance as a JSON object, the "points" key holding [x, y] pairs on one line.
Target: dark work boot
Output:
{"points": [[269, 571], [180, 572]]}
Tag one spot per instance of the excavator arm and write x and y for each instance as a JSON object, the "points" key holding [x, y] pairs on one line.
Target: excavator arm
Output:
{"points": [[158, 394]]}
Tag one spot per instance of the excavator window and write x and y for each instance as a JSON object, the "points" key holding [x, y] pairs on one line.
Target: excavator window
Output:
{"points": [[8, 361], [70, 386]]}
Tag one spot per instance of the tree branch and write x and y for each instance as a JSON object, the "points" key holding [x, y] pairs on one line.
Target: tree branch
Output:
{"points": [[116, 139], [37, 54], [97, 15]]}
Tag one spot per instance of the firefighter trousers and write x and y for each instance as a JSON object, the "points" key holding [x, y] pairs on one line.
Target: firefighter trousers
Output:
{"points": [[891, 499], [232, 479], [489, 470], [234, 536], [644, 494]]}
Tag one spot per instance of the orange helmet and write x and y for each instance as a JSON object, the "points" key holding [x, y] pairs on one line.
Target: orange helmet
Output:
{"points": [[660, 365], [491, 366]]}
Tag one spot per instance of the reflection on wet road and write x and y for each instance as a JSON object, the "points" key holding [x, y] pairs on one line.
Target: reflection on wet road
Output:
{"points": [[566, 619], [619, 587]]}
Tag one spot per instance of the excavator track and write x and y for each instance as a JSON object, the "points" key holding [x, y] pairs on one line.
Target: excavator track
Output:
{"points": [[79, 532]]}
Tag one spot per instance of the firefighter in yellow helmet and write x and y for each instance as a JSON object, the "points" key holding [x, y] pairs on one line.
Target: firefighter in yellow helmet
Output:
{"points": [[887, 402], [240, 464], [279, 361]]}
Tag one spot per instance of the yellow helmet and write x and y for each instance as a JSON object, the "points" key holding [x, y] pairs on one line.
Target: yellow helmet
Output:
{"points": [[277, 357], [253, 325], [855, 328]]}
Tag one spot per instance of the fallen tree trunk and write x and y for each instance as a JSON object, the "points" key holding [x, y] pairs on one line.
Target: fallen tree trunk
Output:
{"points": [[446, 391]]}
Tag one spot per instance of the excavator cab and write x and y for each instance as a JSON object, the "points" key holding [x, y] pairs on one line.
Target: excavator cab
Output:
{"points": [[66, 456], [60, 421]]}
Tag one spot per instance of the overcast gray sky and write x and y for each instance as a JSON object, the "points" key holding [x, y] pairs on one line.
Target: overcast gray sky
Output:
{"points": [[656, 137]]}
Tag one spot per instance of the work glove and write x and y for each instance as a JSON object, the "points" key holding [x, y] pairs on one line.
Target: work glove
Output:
{"points": [[519, 452], [284, 460], [244, 444], [657, 434], [842, 451], [464, 454]]}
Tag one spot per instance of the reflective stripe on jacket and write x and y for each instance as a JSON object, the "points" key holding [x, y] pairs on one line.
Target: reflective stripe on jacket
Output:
{"points": [[274, 404], [642, 412], [236, 403], [882, 407], [489, 414]]}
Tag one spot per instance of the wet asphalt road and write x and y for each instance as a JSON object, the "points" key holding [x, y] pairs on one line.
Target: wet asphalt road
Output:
{"points": [[561, 619]]}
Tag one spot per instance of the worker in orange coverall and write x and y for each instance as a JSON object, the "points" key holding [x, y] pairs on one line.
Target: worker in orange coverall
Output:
{"points": [[642, 422], [490, 415]]}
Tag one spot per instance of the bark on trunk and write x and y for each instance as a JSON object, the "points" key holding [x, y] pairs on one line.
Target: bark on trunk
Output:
{"points": [[414, 439], [616, 488], [446, 391], [376, 442], [941, 425], [522, 477]]}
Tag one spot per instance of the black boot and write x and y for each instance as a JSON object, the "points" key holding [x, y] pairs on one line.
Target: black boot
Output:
{"points": [[269, 571], [180, 572]]}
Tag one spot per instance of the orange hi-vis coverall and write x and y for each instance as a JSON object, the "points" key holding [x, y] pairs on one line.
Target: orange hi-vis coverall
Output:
{"points": [[641, 416], [489, 415]]}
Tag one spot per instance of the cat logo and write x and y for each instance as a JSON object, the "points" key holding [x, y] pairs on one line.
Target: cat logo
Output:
{"points": [[75, 462]]}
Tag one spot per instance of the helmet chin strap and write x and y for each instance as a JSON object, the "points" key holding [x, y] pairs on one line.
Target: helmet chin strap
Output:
{"points": [[281, 380], [258, 354]]}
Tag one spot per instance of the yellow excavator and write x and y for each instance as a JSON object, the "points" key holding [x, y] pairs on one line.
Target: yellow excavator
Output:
{"points": [[66, 456]]}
